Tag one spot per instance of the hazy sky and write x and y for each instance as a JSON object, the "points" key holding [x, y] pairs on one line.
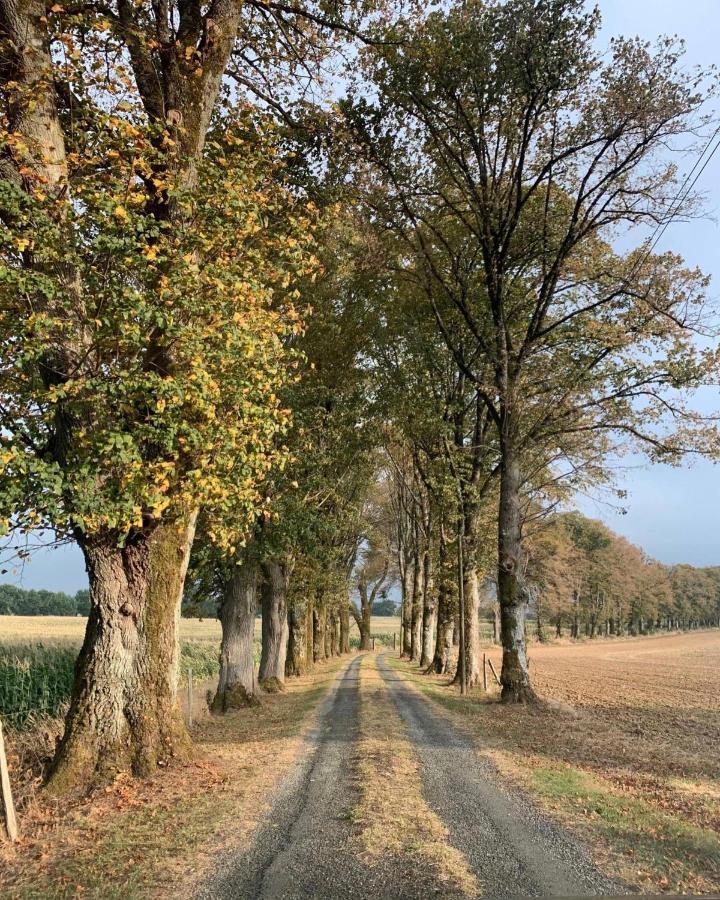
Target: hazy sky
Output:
{"points": [[674, 514]]}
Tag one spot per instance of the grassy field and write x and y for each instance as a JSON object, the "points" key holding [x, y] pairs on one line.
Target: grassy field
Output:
{"points": [[625, 749]]}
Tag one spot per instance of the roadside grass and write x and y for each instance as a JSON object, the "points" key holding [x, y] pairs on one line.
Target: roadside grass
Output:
{"points": [[653, 829], [654, 843], [157, 837], [392, 820]]}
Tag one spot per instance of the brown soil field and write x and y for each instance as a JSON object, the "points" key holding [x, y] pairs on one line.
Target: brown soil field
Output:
{"points": [[654, 701]]}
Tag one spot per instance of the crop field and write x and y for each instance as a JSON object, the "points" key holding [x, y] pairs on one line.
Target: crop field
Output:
{"points": [[37, 661], [72, 628], [37, 658]]}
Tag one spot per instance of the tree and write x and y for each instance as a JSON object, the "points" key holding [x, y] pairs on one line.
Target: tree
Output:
{"points": [[148, 278], [500, 122], [385, 607], [371, 579]]}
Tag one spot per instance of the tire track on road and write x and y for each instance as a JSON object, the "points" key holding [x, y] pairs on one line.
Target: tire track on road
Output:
{"points": [[513, 849]]}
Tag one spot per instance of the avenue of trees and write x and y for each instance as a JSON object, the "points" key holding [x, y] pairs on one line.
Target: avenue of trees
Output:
{"points": [[264, 348]]}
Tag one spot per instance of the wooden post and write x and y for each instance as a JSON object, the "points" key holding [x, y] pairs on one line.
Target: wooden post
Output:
{"points": [[394, 636], [484, 673], [373, 640], [6, 793], [190, 698], [492, 669]]}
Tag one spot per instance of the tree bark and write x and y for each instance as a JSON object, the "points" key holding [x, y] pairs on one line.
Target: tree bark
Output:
{"points": [[274, 624], [310, 631], [473, 665], [124, 712], [318, 635], [408, 584], [512, 598], [334, 634], [417, 607], [344, 625], [327, 632], [296, 660], [430, 611], [236, 684], [445, 618]]}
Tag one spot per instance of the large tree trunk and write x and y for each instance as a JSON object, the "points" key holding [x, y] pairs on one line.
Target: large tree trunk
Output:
{"points": [[408, 583], [473, 664], [123, 712], [512, 597], [296, 661], [318, 635], [327, 632], [429, 616], [310, 631], [334, 633], [274, 624], [445, 617], [364, 626], [236, 684], [344, 625], [417, 607]]}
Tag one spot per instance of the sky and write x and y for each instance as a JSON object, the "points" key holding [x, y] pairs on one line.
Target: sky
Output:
{"points": [[674, 514]]}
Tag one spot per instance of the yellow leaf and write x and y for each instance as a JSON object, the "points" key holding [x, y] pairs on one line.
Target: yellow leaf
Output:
{"points": [[120, 212]]}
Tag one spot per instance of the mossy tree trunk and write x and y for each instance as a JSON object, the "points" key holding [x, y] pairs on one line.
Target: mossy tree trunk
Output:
{"points": [[430, 612], [417, 608], [236, 683], [344, 625], [309, 629], [318, 634], [473, 657], [512, 597], [327, 632], [296, 660], [124, 713], [408, 583], [274, 590], [445, 615]]}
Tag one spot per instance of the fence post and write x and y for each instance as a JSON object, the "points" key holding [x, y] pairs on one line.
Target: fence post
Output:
{"points": [[394, 636], [484, 673], [6, 793], [190, 697], [373, 640]]}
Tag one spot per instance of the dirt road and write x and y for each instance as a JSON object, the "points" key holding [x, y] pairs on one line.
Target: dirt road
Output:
{"points": [[307, 847]]}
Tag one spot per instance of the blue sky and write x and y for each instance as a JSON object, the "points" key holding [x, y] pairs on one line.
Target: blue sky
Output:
{"points": [[674, 514]]}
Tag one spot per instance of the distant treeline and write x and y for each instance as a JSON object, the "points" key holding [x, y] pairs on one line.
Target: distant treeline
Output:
{"points": [[590, 581], [15, 601]]}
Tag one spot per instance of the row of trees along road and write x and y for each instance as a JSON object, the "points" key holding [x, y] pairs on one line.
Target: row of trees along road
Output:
{"points": [[294, 344]]}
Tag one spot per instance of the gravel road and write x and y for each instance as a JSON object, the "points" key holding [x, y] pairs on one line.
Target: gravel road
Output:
{"points": [[511, 847], [304, 848]]}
